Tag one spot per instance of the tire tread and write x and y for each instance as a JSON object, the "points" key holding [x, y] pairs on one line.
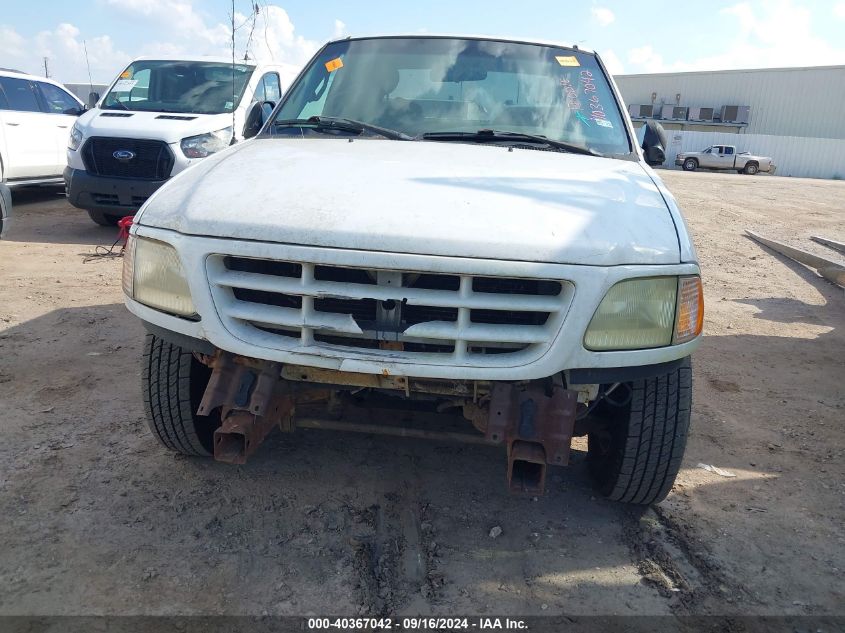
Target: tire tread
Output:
{"points": [[166, 385]]}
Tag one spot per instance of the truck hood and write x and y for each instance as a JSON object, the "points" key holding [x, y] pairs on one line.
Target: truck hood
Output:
{"points": [[170, 127], [427, 198]]}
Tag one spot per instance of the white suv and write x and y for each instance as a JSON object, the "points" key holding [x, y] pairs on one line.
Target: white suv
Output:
{"points": [[36, 116]]}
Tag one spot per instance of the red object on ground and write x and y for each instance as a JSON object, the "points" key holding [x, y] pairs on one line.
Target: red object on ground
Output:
{"points": [[124, 224]]}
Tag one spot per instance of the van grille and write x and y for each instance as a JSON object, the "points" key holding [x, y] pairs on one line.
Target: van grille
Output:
{"points": [[397, 314], [152, 160]]}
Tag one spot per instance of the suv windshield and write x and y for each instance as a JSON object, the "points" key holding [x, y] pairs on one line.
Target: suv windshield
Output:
{"points": [[421, 86], [179, 86]]}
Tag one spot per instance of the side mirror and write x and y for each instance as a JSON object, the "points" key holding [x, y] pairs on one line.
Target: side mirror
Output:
{"points": [[93, 98], [257, 117], [654, 143]]}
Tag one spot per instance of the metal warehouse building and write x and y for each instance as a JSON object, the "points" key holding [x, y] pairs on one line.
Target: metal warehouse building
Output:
{"points": [[794, 115]]}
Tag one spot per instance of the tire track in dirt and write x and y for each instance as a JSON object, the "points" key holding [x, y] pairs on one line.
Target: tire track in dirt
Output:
{"points": [[395, 559], [681, 569]]}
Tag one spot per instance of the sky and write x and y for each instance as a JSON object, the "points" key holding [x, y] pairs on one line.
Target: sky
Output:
{"points": [[631, 37]]}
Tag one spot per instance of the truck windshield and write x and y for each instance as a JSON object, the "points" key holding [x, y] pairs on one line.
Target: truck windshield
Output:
{"points": [[426, 86], [179, 86]]}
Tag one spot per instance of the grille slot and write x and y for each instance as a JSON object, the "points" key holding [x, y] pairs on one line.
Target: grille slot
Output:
{"points": [[152, 160], [289, 305], [113, 200]]}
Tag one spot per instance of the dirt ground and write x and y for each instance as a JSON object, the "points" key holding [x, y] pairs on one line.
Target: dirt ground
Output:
{"points": [[97, 518]]}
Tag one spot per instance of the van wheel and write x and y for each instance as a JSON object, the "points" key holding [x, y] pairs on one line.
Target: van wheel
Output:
{"points": [[751, 169], [636, 446], [173, 385], [690, 164], [104, 219]]}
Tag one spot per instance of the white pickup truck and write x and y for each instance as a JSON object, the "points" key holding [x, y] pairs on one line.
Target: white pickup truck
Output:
{"points": [[441, 223], [725, 157]]}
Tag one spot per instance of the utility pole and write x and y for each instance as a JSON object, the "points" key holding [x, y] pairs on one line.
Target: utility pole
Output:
{"points": [[46, 69]]}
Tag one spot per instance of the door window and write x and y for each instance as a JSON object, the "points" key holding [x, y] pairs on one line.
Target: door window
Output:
{"points": [[729, 151], [272, 87], [269, 89], [57, 100], [20, 95]]}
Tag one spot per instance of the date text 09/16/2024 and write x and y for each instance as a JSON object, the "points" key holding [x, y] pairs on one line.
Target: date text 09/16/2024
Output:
{"points": [[416, 624]]}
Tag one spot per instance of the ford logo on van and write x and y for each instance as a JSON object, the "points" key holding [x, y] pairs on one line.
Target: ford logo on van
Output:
{"points": [[124, 155]]}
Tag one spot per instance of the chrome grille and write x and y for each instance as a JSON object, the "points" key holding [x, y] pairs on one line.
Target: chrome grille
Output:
{"points": [[397, 314]]}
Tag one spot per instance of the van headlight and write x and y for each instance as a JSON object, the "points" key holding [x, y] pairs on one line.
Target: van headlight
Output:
{"points": [[153, 275], [204, 145], [75, 138], [647, 313]]}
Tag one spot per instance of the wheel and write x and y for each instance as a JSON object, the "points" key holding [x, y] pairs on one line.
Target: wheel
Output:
{"points": [[173, 384], [104, 219], [751, 169], [636, 446], [690, 164]]}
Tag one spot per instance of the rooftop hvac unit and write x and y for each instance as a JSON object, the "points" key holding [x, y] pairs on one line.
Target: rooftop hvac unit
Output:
{"points": [[673, 113], [736, 114], [641, 111], [700, 114]]}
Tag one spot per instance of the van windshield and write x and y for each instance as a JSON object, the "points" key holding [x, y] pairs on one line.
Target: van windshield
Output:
{"points": [[179, 86], [426, 87]]}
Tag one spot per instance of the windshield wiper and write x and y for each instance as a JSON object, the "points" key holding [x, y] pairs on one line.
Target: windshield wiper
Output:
{"points": [[117, 102], [493, 136], [342, 124]]}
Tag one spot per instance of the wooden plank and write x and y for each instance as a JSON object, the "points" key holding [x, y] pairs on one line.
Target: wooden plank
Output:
{"points": [[829, 269], [837, 246]]}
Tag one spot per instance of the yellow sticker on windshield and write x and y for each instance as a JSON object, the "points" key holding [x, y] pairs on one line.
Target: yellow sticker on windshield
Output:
{"points": [[126, 74], [567, 60], [334, 64]]}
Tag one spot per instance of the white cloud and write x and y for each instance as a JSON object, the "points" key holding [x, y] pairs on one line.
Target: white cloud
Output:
{"points": [[602, 15], [64, 48], [274, 40], [839, 10], [179, 28], [339, 29], [646, 59], [11, 44], [755, 36], [612, 62]]}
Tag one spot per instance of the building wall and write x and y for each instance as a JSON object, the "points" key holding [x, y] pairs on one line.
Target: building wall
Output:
{"points": [[802, 102]]}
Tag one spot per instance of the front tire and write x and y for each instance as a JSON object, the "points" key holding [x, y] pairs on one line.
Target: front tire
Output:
{"points": [[751, 169], [173, 385], [690, 164], [635, 449], [103, 219]]}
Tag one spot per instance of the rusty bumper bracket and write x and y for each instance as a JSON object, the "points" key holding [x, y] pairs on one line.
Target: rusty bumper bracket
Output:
{"points": [[251, 405], [536, 429]]}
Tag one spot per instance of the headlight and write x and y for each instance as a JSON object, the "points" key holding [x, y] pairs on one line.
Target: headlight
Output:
{"points": [[153, 275], [204, 145], [634, 314], [75, 139]]}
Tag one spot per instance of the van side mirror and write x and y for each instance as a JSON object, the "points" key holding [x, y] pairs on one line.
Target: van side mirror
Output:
{"points": [[258, 115], [654, 143], [93, 98]]}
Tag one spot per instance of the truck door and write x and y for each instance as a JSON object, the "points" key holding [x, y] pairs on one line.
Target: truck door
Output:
{"points": [[722, 157], [30, 137], [730, 157]]}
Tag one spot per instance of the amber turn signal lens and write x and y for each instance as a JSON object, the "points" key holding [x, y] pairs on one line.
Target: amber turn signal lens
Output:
{"points": [[690, 314]]}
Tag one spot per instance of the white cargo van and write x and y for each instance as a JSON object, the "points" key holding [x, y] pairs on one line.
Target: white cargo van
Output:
{"points": [[158, 117]]}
